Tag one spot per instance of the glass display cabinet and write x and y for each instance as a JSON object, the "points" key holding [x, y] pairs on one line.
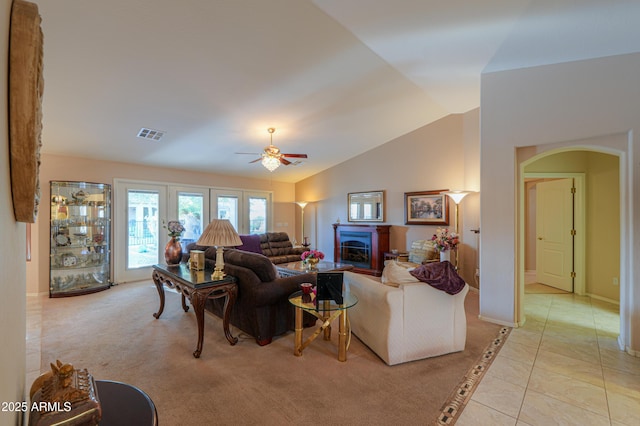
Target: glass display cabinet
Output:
{"points": [[80, 255]]}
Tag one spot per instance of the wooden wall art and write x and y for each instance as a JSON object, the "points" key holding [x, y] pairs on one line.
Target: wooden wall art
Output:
{"points": [[26, 87]]}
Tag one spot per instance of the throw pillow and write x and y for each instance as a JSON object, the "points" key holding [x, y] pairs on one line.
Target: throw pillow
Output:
{"points": [[394, 275], [418, 252], [250, 243]]}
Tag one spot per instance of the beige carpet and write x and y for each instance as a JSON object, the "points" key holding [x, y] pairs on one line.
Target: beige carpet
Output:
{"points": [[114, 335]]}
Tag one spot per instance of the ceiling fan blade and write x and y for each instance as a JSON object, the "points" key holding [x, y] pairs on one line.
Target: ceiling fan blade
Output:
{"points": [[256, 160], [295, 155], [284, 161], [249, 153]]}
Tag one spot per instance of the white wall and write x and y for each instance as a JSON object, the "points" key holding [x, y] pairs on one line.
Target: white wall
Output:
{"points": [[12, 259], [570, 104], [437, 156]]}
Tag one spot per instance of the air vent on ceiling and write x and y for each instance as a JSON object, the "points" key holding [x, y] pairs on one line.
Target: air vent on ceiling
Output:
{"points": [[154, 135]]}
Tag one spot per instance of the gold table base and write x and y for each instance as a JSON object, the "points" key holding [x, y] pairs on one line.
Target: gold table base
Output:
{"points": [[344, 331]]}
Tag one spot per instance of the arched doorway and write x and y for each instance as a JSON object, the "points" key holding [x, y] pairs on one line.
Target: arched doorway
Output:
{"points": [[603, 203]]}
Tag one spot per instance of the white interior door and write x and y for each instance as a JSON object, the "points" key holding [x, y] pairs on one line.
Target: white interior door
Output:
{"points": [[554, 229]]}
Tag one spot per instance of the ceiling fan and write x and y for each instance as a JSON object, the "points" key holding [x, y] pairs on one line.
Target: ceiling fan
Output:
{"points": [[271, 157]]}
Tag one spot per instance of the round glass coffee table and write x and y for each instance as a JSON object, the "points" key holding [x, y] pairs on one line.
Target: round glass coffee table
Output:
{"points": [[326, 311]]}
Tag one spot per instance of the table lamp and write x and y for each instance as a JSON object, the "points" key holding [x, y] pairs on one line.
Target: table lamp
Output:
{"points": [[219, 233]]}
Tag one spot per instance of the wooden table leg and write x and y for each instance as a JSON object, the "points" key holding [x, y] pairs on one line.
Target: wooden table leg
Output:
{"points": [[157, 280], [197, 301], [184, 304], [229, 301]]}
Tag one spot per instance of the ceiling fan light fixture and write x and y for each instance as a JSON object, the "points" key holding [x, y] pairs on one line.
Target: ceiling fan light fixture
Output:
{"points": [[271, 157], [270, 163]]}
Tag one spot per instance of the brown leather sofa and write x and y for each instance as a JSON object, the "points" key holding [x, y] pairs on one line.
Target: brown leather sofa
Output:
{"points": [[262, 308], [275, 245]]}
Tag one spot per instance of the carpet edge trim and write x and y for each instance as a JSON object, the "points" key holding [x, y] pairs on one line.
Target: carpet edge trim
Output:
{"points": [[458, 399]]}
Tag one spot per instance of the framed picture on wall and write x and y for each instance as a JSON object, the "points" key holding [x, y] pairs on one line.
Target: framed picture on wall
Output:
{"points": [[426, 208]]}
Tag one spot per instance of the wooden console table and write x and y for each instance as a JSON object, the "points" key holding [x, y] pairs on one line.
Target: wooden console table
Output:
{"points": [[198, 287]]}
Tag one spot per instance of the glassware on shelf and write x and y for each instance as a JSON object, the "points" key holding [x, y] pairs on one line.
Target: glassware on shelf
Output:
{"points": [[80, 252]]}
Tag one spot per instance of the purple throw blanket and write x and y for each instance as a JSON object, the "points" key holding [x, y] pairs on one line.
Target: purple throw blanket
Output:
{"points": [[440, 275]]}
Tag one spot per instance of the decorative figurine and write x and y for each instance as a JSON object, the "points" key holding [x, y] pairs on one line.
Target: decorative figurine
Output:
{"points": [[63, 396]]}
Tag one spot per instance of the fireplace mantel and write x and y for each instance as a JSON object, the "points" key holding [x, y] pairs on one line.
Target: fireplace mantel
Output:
{"points": [[369, 242]]}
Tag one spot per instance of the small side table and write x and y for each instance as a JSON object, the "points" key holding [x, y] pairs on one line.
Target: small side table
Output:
{"points": [[326, 311], [197, 286], [124, 404]]}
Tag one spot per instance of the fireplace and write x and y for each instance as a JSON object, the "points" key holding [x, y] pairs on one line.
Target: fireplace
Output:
{"points": [[362, 246], [355, 249]]}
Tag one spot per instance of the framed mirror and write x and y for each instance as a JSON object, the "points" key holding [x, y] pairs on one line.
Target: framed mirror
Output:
{"points": [[366, 206]]}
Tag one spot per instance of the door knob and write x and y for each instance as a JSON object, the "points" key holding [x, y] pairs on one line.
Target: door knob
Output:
{"points": [[540, 238]]}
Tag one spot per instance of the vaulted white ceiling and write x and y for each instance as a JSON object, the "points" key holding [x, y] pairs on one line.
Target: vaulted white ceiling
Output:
{"points": [[334, 77]]}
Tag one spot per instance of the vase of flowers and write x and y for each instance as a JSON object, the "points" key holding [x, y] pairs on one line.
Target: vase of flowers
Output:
{"points": [[445, 241], [173, 249], [311, 258]]}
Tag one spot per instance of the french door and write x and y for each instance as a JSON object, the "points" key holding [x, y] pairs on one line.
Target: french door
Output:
{"points": [[250, 212], [190, 206], [258, 209], [138, 240], [140, 223]]}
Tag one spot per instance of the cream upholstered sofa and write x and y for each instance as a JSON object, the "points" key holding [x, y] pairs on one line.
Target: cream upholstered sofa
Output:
{"points": [[406, 321]]}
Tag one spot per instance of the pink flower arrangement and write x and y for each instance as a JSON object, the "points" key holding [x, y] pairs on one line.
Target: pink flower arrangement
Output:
{"points": [[174, 229], [444, 240], [312, 254]]}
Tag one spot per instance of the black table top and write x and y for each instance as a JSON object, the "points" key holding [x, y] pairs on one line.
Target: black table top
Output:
{"points": [[192, 277], [124, 405]]}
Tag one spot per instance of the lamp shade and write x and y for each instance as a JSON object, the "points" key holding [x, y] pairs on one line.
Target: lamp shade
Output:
{"points": [[456, 196], [220, 233], [302, 204]]}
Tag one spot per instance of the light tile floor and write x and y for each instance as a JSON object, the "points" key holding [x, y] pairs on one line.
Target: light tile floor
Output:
{"points": [[563, 367]]}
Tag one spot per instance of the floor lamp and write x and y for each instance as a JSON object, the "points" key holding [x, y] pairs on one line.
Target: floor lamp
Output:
{"points": [[303, 204], [457, 197]]}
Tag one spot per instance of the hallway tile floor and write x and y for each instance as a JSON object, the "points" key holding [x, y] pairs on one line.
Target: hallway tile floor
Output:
{"points": [[563, 367]]}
